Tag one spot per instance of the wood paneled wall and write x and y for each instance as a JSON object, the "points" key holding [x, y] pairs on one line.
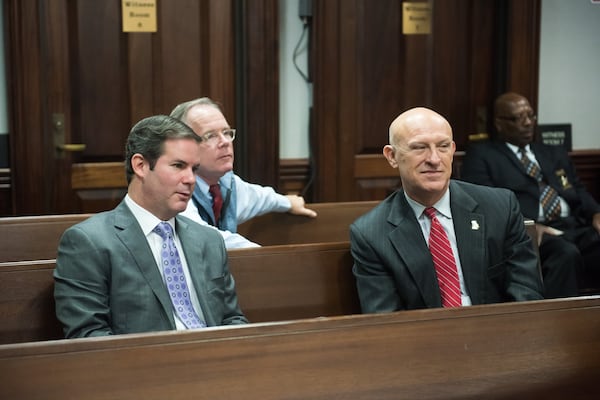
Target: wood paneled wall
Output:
{"points": [[375, 179], [366, 72], [70, 57]]}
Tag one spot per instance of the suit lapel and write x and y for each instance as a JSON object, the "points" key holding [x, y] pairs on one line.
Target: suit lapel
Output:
{"points": [[546, 163], [129, 232], [508, 153], [196, 263], [413, 251], [470, 228]]}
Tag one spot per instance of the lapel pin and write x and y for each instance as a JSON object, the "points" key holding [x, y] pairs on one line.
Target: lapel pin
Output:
{"points": [[474, 225]]}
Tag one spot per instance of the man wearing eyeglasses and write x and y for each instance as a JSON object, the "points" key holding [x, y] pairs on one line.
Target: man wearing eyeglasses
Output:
{"points": [[221, 198], [548, 190]]}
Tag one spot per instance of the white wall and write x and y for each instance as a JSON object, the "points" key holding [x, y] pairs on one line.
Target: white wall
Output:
{"points": [[569, 87], [295, 95]]}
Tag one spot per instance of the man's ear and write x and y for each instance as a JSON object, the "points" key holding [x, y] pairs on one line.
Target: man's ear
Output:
{"points": [[139, 165], [497, 125], [390, 154]]}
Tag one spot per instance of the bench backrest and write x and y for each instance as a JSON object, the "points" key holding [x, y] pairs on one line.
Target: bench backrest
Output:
{"points": [[273, 284], [331, 225], [533, 350], [34, 238], [37, 238]]}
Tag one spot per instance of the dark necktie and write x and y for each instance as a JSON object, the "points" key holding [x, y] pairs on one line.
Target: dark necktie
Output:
{"points": [[175, 279], [217, 200], [548, 196], [443, 260]]}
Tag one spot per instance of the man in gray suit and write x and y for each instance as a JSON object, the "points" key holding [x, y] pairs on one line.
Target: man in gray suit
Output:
{"points": [[492, 257], [109, 276]]}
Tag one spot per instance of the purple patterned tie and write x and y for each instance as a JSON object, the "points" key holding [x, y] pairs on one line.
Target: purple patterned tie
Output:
{"points": [[175, 279]]}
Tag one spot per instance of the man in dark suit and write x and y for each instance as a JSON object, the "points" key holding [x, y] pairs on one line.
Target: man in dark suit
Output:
{"points": [[493, 259], [568, 234], [113, 269]]}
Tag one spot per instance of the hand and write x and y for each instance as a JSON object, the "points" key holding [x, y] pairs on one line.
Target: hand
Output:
{"points": [[546, 230], [298, 207], [596, 222]]}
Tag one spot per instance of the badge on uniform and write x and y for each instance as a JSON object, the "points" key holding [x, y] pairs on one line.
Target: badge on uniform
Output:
{"points": [[564, 181]]}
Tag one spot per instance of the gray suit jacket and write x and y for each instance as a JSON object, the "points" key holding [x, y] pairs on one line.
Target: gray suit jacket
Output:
{"points": [[107, 281], [393, 265]]}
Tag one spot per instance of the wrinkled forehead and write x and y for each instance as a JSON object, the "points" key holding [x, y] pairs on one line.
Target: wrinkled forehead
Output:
{"points": [[419, 126], [519, 106], [512, 105], [205, 118]]}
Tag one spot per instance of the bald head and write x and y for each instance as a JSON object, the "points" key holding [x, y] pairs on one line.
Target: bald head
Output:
{"points": [[421, 147], [514, 119], [415, 120], [505, 102]]}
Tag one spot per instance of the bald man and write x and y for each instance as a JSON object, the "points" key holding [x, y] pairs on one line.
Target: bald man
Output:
{"points": [[569, 240], [493, 257]]}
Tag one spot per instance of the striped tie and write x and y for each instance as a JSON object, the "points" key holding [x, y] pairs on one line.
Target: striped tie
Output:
{"points": [[443, 260], [548, 196]]}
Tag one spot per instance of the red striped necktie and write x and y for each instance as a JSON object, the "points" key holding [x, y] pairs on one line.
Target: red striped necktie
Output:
{"points": [[443, 260]]}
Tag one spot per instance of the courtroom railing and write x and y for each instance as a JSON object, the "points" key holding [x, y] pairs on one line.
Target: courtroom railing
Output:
{"points": [[533, 350]]}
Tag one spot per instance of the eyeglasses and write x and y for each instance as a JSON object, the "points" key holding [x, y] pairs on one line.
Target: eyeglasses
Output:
{"points": [[521, 118], [212, 137]]}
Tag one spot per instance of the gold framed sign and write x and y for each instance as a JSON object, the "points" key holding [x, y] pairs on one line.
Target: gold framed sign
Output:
{"points": [[416, 18], [139, 15]]}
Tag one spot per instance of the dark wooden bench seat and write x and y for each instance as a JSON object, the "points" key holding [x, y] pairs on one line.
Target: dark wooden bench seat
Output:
{"points": [[274, 283], [534, 350]]}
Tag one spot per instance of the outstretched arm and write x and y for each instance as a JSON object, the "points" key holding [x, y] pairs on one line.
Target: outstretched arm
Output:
{"points": [[298, 207]]}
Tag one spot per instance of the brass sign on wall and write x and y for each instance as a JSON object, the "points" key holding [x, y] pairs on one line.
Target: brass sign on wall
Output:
{"points": [[416, 18], [139, 15]]}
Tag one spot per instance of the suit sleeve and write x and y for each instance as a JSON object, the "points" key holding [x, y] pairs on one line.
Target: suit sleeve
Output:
{"points": [[232, 313], [375, 284], [210, 261], [81, 286], [475, 168], [523, 280]]}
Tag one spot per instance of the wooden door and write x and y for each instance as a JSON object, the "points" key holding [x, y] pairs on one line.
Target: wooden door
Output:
{"points": [[73, 70], [366, 72]]}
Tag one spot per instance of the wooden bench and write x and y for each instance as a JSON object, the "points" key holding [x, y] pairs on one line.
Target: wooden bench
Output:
{"points": [[533, 350], [331, 225], [273, 284], [37, 238]]}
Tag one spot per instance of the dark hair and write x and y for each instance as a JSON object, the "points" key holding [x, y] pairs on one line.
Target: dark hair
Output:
{"points": [[180, 110], [147, 138]]}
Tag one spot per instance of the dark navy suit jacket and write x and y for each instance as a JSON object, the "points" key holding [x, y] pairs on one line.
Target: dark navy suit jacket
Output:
{"points": [[394, 269]]}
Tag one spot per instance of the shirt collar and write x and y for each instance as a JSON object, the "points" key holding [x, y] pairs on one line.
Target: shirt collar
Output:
{"points": [[225, 182], [516, 149], [442, 206], [145, 218]]}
